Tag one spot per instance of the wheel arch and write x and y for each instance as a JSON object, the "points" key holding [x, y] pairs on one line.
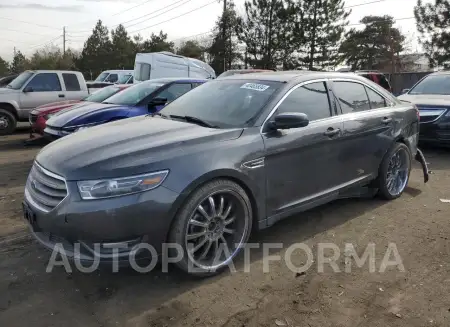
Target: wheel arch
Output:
{"points": [[10, 108], [239, 178]]}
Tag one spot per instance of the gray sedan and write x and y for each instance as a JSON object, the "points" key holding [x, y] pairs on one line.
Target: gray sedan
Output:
{"points": [[234, 155]]}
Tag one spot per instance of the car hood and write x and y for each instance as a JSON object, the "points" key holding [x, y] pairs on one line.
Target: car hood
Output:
{"points": [[426, 99], [4, 90], [54, 106], [128, 147], [64, 117]]}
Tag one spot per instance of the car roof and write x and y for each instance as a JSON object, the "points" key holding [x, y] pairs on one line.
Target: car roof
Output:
{"points": [[288, 76], [177, 79]]}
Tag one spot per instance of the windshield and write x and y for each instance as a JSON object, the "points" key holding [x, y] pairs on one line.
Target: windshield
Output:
{"points": [[124, 79], [224, 103], [134, 94], [102, 94], [19, 81], [101, 77], [436, 84]]}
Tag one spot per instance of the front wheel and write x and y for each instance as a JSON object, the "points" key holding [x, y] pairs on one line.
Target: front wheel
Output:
{"points": [[394, 172], [212, 226], [7, 122]]}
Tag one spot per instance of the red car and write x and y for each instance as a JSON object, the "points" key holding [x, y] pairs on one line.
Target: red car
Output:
{"points": [[41, 114]]}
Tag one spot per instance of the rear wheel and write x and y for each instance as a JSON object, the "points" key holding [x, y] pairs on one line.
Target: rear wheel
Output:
{"points": [[7, 122], [212, 226], [394, 172]]}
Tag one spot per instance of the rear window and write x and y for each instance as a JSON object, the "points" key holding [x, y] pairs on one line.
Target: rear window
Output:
{"points": [[71, 82], [142, 72]]}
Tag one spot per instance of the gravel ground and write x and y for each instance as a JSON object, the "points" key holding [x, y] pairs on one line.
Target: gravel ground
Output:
{"points": [[417, 224]]}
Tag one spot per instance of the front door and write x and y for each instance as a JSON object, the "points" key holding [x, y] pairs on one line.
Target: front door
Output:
{"points": [[368, 128], [301, 163], [43, 88]]}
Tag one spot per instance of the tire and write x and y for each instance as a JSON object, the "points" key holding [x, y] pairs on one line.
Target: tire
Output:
{"points": [[225, 193], [8, 122], [386, 189]]}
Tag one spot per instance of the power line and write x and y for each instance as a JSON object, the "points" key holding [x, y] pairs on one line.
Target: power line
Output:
{"points": [[117, 13], [45, 43], [405, 18], [150, 14], [168, 20], [13, 30], [25, 22], [364, 4]]}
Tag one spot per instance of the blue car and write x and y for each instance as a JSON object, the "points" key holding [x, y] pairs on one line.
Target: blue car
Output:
{"points": [[140, 99]]}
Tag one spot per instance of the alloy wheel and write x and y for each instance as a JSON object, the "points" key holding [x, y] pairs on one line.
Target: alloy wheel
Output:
{"points": [[216, 230], [398, 172]]}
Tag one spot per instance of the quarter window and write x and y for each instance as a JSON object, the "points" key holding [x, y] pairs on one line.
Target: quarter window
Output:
{"points": [[71, 82], [45, 82], [310, 99], [112, 78], [376, 100], [352, 96]]}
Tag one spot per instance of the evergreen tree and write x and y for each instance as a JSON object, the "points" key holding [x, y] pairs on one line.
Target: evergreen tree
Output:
{"points": [[191, 49], [96, 54], [157, 43], [375, 46], [124, 49], [19, 63], [433, 24], [322, 24], [4, 67]]}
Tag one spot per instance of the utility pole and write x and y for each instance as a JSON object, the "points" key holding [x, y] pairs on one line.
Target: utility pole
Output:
{"points": [[224, 34], [14, 51], [64, 40]]}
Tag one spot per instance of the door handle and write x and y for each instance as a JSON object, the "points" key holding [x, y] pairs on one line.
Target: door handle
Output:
{"points": [[330, 132], [61, 95], [386, 120]]}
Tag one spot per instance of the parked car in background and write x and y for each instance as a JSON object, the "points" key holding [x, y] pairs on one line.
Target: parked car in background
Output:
{"points": [[166, 64], [242, 71], [40, 115], [5, 80], [34, 88], [431, 95], [236, 154], [113, 76], [140, 99], [376, 77]]}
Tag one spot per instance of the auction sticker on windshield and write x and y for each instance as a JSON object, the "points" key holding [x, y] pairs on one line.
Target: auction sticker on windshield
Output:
{"points": [[255, 87]]}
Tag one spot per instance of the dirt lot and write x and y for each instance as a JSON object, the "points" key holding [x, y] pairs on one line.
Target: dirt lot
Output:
{"points": [[417, 223]]}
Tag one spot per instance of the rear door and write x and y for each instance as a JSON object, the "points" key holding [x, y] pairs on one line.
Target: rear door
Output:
{"points": [[72, 86], [368, 128], [302, 163], [43, 88]]}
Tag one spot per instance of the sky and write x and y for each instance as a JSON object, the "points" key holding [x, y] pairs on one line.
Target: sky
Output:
{"points": [[174, 17]]}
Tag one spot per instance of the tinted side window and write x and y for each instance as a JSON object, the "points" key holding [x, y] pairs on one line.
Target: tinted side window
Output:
{"points": [[310, 99], [174, 91], [352, 96], [45, 82], [71, 82], [384, 82], [112, 78], [130, 81], [376, 100]]}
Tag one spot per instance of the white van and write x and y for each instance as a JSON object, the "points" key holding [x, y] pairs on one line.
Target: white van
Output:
{"points": [[115, 77], [166, 64]]}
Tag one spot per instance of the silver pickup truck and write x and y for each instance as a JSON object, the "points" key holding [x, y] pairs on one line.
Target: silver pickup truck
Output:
{"points": [[35, 88]]}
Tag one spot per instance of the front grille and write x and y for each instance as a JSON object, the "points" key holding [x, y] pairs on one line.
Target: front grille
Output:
{"points": [[430, 114], [45, 189], [33, 118]]}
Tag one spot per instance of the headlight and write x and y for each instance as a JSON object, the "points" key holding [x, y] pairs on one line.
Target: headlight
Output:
{"points": [[106, 188]]}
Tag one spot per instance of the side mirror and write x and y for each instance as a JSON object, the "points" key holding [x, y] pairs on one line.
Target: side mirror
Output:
{"points": [[405, 91], [27, 89], [289, 120], [156, 102]]}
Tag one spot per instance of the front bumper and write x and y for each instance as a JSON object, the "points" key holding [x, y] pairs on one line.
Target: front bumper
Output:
{"points": [[437, 132], [38, 125], [87, 229]]}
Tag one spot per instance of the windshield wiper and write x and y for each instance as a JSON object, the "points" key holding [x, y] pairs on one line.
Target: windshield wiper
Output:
{"points": [[195, 120], [159, 114]]}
